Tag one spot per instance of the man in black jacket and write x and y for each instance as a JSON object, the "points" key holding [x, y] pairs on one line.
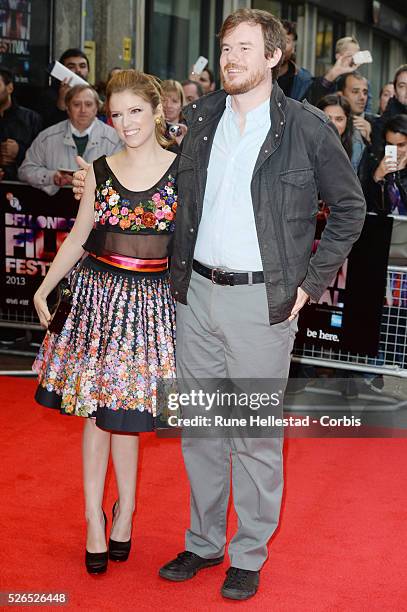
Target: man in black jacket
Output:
{"points": [[251, 167], [18, 128], [397, 105]]}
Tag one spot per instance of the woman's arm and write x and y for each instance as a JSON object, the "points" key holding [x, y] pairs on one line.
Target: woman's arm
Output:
{"points": [[70, 251]]}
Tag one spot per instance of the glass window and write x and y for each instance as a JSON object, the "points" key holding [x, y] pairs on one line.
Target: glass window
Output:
{"points": [[173, 37], [324, 45], [268, 5]]}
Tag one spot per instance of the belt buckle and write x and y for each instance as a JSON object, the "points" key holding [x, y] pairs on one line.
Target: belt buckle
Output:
{"points": [[221, 277]]}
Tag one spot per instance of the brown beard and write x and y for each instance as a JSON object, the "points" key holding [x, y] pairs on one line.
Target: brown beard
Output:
{"points": [[242, 87]]}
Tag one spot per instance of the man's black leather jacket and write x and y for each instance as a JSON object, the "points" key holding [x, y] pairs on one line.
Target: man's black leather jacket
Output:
{"points": [[300, 158]]}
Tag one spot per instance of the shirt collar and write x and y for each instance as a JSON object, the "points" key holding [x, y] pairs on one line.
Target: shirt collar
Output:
{"points": [[259, 115], [79, 134]]}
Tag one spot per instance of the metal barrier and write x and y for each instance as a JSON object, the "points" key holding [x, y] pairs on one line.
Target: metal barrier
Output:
{"points": [[392, 354]]}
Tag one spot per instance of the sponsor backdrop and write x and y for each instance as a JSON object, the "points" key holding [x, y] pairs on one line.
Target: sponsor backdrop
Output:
{"points": [[348, 315], [33, 225]]}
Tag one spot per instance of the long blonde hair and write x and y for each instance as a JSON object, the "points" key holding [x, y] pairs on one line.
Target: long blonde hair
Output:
{"points": [[147, 87]]}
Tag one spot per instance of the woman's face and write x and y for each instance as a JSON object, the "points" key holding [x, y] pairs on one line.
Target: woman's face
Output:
{"points": [[337, 115], [82, 110], [172, 107], [133, 118]]}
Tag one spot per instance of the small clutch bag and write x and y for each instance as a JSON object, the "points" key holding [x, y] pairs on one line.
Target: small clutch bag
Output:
{"points": [[62, 308]]}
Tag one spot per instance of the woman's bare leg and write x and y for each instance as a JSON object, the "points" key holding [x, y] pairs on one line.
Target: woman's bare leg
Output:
{"points": [[125, 458], [95, 452]]}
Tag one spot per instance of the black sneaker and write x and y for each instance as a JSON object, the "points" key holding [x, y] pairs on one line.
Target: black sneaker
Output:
{"points": [[186, 565], [240, 583]]}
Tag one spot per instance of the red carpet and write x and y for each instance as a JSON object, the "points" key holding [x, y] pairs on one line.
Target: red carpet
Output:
{"points": [[341, 545]]}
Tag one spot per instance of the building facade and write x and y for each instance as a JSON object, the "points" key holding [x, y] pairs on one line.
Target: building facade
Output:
{"points": [[165, 37]]}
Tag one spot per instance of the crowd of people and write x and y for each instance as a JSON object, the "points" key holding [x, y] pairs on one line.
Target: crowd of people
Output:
{"points": [[209, 209], [40, 148]]}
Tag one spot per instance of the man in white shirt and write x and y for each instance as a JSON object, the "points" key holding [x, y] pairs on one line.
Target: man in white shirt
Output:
{"points": [[251, 166]]}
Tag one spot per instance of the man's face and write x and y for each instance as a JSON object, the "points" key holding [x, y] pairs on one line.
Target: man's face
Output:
{"points": [[356, 92], [82, 110], [400, 140], [242, 62], [5, 91], [289, 47], [205, 82], [78, 65], [401, 88], [190, 92]]}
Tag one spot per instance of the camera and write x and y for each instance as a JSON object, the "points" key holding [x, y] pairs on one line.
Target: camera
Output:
{"points": [[175, 130]]}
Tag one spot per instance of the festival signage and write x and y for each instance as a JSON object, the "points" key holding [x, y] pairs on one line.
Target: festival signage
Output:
{"points": [[33, 226], [348, 315]]}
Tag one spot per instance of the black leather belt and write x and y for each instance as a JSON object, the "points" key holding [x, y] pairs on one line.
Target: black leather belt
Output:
{"points": [[223, 277]]}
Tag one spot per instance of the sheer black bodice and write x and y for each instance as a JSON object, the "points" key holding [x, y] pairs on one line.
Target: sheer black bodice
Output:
{"points": [[135, 224]]}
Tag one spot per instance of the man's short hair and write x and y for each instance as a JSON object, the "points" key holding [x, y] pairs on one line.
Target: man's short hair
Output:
{"points": [[400, 69], [76, 89], [290, 27], [198, 86], [343, 79], [73, 53], [397, 124], [341, 43], [6, 75], [274, 35]]}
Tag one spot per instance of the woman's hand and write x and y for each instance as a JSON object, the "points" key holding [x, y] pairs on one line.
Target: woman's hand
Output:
{"points": [[40, 304], [79, 177], [386, 166]]}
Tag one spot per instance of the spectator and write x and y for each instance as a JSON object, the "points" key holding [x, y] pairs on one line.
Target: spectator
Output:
{"points": [[355, 88], [51, 159], [386, 92], [173, 103], [206, 80], [396, 105], [385, 183], [345, 49], [294, 81], [338, 109], [53, 107], [18, 128], [192, 90]]}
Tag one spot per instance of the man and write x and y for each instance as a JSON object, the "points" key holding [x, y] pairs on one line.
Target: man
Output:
{"points": [[345, 49], [385, 183], [206, 79], [192, 90], [397, 105], [355, 88], [53, 107], [51, 159], [294, 81], [242, 270], [18, 128]]}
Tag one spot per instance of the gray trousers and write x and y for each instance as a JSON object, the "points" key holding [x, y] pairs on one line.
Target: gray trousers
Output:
{"points": [[224, 332]]}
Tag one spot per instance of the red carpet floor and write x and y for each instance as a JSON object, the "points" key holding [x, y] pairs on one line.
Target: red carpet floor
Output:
{"points": [[341, 546]]}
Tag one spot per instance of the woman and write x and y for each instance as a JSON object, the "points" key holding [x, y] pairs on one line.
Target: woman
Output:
{"points": [[386, 92], [50, 161], [338, 109], [118, 339], [173, 102]]}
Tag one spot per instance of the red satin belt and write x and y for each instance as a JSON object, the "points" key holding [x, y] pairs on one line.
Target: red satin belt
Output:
{"points": [[133, 263]]}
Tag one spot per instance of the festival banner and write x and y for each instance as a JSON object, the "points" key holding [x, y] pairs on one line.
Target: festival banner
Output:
{"points": [[348, 315], [33, 226]]}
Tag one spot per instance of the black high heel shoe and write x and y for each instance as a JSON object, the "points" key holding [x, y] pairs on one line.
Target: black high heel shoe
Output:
{"points": [[118, 551], [96, 563]]}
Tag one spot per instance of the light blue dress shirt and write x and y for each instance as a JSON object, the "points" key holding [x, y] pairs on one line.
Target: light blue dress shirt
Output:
{"points": [[227, 236]]}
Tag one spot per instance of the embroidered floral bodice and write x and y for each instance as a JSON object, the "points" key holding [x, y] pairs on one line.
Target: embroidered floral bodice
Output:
{"points": [[133, 223]]}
